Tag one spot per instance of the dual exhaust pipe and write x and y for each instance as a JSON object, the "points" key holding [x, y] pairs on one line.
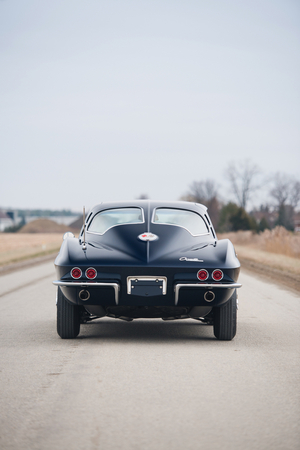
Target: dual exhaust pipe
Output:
{"points": [[84, 295], [209, 296]]}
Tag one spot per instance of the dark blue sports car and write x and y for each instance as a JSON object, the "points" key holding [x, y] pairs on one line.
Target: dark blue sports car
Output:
{"points": [[145, 259]]}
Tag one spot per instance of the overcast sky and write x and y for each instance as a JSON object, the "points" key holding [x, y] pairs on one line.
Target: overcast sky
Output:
{"points": [[106, 100]]}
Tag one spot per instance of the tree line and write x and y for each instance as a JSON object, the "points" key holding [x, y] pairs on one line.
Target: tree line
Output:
{"points": [[245, 180]]}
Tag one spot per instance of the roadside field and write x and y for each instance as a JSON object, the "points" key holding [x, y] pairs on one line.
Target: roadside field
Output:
{"points": [[278, 241], [15, 247], [274, 254]]}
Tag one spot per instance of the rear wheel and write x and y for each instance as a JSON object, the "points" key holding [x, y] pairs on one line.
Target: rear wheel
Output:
{"points": [[68, 317], [225, 319]]}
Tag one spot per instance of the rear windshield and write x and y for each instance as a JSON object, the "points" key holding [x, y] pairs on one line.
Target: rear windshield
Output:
{"points": [[189, 220], [109, 218]]}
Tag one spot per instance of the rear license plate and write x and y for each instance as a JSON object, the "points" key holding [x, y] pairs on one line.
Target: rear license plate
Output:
{"points": [[147, 286]]}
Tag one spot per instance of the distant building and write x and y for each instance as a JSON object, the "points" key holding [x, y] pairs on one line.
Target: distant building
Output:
{"points": [[10, 218], [272, 217], [5, 221]]}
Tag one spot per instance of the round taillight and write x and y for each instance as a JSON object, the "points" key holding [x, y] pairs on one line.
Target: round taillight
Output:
{"points": [[202, 275], [91, 273], [76, 273], [217, 275]]}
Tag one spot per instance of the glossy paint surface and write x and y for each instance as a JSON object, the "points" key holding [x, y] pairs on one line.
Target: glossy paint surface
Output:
{"points": [[176, 254]]}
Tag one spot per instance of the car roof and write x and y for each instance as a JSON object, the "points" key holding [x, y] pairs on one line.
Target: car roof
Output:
{"points": [[152, 204]]}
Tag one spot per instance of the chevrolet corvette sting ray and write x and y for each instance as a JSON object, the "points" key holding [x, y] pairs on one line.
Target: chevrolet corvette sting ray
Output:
{"points": [[146, 259]]}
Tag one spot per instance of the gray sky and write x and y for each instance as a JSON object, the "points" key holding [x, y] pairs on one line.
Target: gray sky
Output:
{"points": [[106, 100]]}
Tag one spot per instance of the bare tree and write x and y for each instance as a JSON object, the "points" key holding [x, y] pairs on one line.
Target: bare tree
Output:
{"points": [[281, 188], [205, 192], [285, 190], [286, 193], [295, 194], [243, 180]]}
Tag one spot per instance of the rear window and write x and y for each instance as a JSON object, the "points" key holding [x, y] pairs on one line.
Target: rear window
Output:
{"points": [[189, 220], [109, 218]]}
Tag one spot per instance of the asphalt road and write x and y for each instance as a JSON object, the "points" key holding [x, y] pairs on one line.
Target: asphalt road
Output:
{"points": [[147, 384]]}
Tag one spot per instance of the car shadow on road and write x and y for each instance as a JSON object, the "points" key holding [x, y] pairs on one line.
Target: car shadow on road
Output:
{"points": [[150, 330]]}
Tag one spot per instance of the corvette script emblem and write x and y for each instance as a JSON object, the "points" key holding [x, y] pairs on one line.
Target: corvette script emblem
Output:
{"points": [[184, 258], [148, 237]]}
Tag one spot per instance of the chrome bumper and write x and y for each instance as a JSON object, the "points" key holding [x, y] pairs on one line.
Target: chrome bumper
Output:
{"points": [[204, 286], [90, 284]]}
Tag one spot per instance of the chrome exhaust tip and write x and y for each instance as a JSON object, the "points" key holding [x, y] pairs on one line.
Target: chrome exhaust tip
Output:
{"points": [[84, 295], [209, 296]]}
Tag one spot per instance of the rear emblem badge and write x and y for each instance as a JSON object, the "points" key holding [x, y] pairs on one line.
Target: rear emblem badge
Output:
{"points": [[184, 258], [148, 237]]}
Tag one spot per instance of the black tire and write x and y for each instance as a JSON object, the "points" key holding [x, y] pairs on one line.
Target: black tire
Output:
{"points": [[68, 317], [225, 319]]}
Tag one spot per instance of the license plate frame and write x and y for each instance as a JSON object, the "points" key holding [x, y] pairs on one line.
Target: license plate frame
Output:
{"points": [[146, 286]]}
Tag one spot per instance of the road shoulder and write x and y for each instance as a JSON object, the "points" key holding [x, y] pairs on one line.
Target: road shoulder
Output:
{"points": [[271, 274]]}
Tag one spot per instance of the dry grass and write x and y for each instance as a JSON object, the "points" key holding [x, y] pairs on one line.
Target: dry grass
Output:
{"points": [[16, 247], [276, 251], [278, 240], [265, 259], [40, 237]]}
